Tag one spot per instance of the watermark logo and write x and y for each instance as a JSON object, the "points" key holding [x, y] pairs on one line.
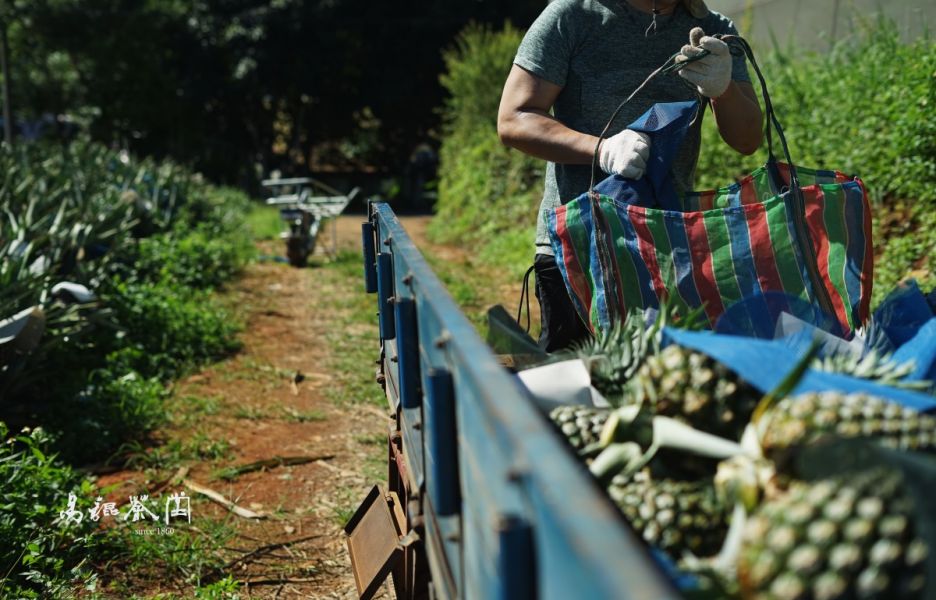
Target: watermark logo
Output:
{"points": [[138, 510]]}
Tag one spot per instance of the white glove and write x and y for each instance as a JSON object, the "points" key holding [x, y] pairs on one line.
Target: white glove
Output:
{"points": [[625, 154], [711, 74]]}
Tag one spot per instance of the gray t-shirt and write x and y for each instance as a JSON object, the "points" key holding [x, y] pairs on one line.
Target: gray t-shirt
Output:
{"points": [[596, 50]]}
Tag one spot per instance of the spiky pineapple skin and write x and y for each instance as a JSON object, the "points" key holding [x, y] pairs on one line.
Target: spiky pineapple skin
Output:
{"points": [[696, 389], [581, 425], [851, 536], [804, 418], [672, 515]]}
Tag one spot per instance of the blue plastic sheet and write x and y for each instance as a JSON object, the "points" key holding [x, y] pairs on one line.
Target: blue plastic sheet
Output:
{"points": [[764, 364], [903, 313], [921, 349]]}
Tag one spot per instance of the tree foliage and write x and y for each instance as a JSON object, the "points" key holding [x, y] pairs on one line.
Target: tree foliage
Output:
{"points": [[229, 84]]}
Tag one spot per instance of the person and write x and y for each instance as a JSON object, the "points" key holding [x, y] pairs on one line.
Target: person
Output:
{"points": [[580, 59]]}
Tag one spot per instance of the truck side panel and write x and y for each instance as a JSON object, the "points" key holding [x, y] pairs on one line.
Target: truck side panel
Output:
{"points": [[528, 521]]}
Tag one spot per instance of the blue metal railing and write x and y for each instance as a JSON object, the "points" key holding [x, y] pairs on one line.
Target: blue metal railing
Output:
{"points": [[509, 512]]}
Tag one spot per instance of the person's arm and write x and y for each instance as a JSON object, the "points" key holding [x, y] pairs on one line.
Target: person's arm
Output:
{"points": [[739, 117], [524, 122]]}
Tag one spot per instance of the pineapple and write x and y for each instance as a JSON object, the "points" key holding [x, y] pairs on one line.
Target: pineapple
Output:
{"points": [[801, 419], [696, 389], [673, 515], [874, 366], [614, 355], [851, 536], [581, 425]]}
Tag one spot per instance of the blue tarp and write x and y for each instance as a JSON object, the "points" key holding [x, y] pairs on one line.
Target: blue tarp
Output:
{"points": [[764, 364]]}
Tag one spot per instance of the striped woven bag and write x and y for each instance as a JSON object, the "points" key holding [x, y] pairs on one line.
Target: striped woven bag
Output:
{"points": [[781, 232]]}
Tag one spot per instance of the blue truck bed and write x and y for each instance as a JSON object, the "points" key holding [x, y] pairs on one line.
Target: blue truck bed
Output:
{"points": [[496, 505]]}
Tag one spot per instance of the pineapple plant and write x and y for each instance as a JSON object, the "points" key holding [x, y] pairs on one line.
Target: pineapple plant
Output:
{"points": [[614, 355], [874, 366], [849, 536]]}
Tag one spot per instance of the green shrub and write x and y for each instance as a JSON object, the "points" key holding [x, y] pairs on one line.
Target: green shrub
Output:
{"points": [[114, 407], [196, 259], [148, 238], [168, 328], [215, 210], [40, 557], [485, 189], [864, 108], [86, 214]]}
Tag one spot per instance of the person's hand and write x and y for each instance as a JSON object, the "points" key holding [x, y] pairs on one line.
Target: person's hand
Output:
{"points": [[625, 154], [710, 74]]}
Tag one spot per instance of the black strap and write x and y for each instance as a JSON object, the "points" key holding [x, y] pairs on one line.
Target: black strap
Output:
{"points": [[807, 248], [667, 67], [525, 295], [771, 123]]}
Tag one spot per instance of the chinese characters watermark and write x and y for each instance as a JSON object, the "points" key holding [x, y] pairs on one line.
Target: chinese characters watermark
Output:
{"points": [[138, 509]]}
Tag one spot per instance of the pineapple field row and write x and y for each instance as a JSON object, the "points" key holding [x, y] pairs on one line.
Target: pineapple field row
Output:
{"points": [[107, 264]]}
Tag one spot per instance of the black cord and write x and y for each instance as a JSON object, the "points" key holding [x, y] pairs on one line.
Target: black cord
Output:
{"points": [[525, 294]]}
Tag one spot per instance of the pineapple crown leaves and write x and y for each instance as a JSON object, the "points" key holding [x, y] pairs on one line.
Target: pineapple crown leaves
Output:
{"points": [[873, 365], [614, 354]]}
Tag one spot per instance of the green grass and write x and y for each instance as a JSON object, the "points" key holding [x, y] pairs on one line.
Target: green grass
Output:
{"points": [[191, 556], [250, 412], [352, 340], [297, 416], [196, 447], [250, 369], [186, 410], [263, 222]]}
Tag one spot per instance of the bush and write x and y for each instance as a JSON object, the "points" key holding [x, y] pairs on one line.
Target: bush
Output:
{"points": [[864, 108], [168, 328], [115, 406], [485, 189], [40, 556], [198, 259]]}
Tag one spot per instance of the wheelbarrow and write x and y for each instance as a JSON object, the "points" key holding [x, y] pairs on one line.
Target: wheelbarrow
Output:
{"points": [[304, 214]]}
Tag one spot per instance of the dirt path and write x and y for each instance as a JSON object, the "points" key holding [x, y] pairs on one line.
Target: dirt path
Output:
{"points": [[284, 395]]}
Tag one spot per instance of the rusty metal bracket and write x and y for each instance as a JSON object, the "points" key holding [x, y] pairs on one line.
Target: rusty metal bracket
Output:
{"points": [[373, 537]]}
